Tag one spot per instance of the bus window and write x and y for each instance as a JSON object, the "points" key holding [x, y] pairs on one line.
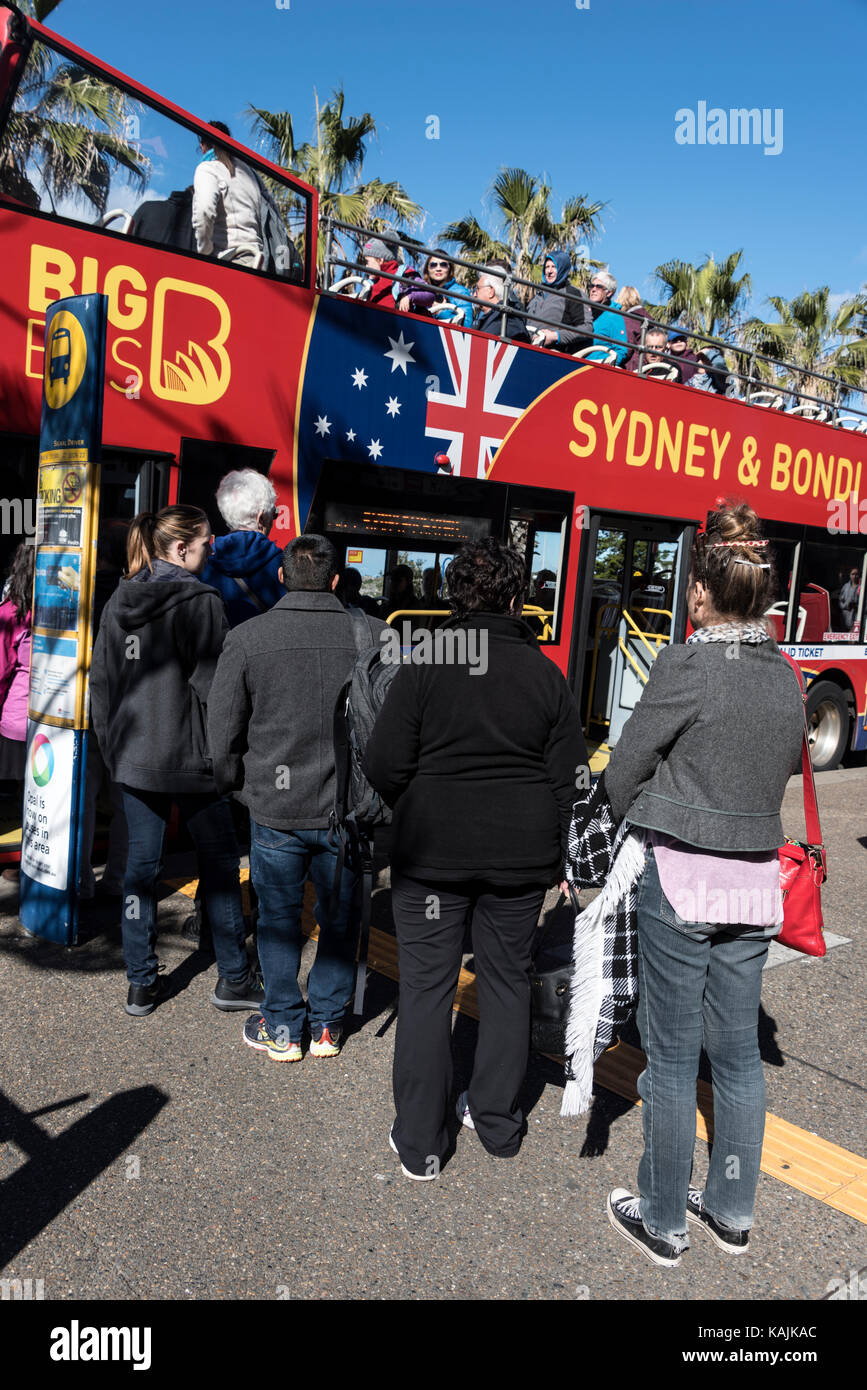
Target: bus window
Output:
{"points": [[781, 555], [540, 537], [78, 145], [203, 462], [831, 590]]}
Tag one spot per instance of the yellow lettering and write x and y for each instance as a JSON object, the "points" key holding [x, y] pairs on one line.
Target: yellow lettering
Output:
{"points": [[35, 343], [671, 443], [638, 417], [612, 428], [89, 274], [130, 311], [857, 487], [802, 456], [719, 447], [822, 475], [189, 376], [583, 450], [841, 491], [50, 270], [694, 450], [781, 467], [130, 366]]}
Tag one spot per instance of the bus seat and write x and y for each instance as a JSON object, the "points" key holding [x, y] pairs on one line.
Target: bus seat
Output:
{"points": [[117, 214], [660, 371], [768, 400], [816, 605], [610, 355]]}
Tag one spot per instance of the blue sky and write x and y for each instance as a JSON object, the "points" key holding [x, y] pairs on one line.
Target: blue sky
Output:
{"points": [[586, 97]]}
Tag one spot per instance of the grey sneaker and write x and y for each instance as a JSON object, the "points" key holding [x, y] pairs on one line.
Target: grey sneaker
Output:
{"points": [[624, 1213], [734, 1242], [240, 994]]}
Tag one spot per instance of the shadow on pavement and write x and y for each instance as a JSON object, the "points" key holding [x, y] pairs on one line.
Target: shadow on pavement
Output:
{"points": [[58, 1169]]}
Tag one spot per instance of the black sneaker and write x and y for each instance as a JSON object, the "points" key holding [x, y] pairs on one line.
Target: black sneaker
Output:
{"points": [[625, 1216], [240, 994], [735, 1242], [143, 999]]}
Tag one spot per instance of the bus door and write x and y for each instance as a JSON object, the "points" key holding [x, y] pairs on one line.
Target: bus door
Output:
{"points": [[634, 584]]}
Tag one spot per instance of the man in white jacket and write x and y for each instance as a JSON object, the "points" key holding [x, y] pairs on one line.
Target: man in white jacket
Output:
{"points": [[227, 206]]}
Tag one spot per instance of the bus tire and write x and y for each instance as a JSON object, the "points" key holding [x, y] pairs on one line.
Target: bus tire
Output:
{"points": [[827, 724]]}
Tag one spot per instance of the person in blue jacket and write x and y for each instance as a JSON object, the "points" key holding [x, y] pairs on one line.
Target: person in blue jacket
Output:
{"points": [[606, 324], [244, 565], [440, 275]]}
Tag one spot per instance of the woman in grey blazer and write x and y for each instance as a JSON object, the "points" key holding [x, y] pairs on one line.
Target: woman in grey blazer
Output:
{"points": [[702, 765]]}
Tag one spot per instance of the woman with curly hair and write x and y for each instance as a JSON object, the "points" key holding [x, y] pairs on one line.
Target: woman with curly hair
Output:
{"points": [[477, 751]]}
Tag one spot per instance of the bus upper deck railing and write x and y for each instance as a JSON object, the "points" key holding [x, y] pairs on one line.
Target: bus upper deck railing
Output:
{"points": [[768, 391]]}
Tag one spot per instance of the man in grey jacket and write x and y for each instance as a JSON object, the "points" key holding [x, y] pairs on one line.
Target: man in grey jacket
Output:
{"points": [[270, 728]]}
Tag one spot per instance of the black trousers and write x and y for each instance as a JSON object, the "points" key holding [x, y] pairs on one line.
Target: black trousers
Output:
{"points": [[430, 920]]}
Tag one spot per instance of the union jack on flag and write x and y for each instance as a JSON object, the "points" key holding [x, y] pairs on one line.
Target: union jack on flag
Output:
{"points": [[471, 416]]}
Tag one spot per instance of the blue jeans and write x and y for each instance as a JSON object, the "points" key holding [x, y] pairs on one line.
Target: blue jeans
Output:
{"points": [[698, 983], [280, 862], [209, 821]]}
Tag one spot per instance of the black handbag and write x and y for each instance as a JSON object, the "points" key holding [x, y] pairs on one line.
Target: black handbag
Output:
{"points": [[549, 998]]}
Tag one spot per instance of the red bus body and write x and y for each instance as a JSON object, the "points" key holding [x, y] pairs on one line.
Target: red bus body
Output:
{"points": [[205, 354]]}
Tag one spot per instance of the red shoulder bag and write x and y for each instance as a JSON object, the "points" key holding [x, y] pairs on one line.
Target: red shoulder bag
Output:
{"points": [[803, 867]]}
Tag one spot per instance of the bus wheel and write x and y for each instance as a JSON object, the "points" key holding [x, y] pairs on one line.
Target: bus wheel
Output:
{"points": [[827, 724]]}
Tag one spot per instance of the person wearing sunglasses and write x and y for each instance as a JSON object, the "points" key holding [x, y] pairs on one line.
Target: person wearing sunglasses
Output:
{"points": [[439, 273], [607, 326]]}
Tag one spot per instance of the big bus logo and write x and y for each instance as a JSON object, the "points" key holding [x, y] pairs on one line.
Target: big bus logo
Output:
{"points": [[186, 359]]}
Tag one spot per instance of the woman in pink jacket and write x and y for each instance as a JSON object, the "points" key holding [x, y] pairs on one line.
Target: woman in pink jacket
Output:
{"points": [[15, 642]]}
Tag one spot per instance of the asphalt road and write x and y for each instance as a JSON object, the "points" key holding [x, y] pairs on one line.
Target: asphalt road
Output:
{"points": [[161, 1158]]}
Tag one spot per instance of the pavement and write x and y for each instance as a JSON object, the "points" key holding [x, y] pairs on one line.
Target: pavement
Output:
{"points": [[161, 1158]]}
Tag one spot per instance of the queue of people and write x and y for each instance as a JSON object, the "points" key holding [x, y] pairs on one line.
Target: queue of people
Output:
{"points": [[190, 712]]}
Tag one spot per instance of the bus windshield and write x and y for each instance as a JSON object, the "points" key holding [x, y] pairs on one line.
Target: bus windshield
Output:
{"points": [[78, 144]]}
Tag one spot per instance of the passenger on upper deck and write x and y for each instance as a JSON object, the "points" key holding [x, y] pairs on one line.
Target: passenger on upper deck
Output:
{"points": [[227, 205], [379, 256], [713, 372], [678, 346], [490, 287], [568, 313], [630, 299], [656, 351], [244, 566], [606, 324], [439, 273]]}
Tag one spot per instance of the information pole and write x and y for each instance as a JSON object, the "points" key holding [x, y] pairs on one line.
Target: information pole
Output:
{"points": [[66, 531]]}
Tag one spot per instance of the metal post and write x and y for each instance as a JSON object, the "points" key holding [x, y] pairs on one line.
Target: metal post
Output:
{"points": [[507, 289], [327, 264]]}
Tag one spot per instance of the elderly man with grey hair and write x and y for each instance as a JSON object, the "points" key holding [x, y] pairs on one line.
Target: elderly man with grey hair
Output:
{"points": [[490, 289], [245, 564], [607, 325]]}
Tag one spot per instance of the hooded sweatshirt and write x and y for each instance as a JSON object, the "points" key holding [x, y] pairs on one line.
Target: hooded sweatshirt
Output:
{"points": [[153, 662], [253, 558]]}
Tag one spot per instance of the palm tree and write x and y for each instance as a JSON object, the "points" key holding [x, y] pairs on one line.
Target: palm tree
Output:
{"points": [[66, 131], [333, 163], [527, 226], [705, 297], [812, 336]]}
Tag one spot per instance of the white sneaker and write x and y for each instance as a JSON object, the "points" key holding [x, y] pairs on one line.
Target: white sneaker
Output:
{"points": [[462, 1110], [416, 1177]]}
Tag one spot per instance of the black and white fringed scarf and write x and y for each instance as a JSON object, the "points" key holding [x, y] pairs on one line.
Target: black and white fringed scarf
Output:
{"points": [[604, 989]]}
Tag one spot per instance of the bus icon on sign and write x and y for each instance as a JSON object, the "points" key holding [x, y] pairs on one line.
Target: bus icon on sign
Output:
{"points": [[61, 348]]}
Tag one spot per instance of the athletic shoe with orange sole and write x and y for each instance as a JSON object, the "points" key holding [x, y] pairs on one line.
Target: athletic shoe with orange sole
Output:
{"points": [[279, 1048], [325, 1040]]}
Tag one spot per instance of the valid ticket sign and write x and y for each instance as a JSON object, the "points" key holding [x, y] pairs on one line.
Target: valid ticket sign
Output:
{"points": [[66, 525]]}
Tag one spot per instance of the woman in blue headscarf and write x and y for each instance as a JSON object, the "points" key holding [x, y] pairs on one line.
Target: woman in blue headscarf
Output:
{"points": [[559, 315]]}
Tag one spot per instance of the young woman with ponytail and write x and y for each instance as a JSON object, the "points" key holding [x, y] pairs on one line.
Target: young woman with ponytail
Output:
{"points": [[154, 659], [702, 766]]}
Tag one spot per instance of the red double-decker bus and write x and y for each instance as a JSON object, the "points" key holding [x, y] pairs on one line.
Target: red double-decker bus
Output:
{"points": [[397, 435]]}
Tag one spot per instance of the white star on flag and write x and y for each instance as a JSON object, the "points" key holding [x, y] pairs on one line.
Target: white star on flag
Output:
{"points": [[350, 435], [374, 448], [359, 378], [392, 405], [323, 425], [400, 353]]}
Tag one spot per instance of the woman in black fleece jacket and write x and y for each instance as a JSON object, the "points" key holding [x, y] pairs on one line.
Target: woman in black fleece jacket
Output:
{"points": [[159, 641], [478, 751]]}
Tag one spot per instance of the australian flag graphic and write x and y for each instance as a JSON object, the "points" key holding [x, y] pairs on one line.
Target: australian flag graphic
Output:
{"points": [[381, 387]]}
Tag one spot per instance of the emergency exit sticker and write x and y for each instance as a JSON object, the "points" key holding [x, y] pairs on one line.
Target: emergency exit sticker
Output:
{"points": [[354, 557]]}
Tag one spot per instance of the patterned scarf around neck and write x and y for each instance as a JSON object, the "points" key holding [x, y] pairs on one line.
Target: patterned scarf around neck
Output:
{"points": [[752, 633]]}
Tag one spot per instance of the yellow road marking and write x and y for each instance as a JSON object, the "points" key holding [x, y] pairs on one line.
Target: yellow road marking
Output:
{"points": [[796, 1156]]}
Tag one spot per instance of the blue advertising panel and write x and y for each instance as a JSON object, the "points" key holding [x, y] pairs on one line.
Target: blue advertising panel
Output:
{"points": [[68, 508]]}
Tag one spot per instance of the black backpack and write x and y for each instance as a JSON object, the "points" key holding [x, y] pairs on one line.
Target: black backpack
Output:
{"points": [[358, 807]]}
